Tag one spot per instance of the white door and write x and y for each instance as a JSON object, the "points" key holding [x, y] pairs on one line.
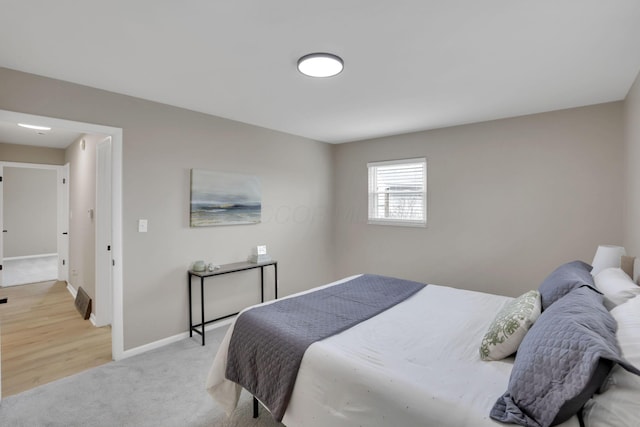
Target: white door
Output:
{"points": [[104, 291], [63, 223]]}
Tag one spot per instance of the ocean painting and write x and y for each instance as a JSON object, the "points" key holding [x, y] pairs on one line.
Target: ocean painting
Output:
{"points": [[220, 198]]}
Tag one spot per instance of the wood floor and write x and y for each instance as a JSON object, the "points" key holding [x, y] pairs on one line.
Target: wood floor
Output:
{"points": [[44, 338]]}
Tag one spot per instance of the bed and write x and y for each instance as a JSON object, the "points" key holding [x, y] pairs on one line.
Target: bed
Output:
{"points": [[416, 363]]}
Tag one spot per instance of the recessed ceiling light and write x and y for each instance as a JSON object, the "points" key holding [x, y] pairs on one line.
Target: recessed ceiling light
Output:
{"points": [[320, 65], [34, 127]]}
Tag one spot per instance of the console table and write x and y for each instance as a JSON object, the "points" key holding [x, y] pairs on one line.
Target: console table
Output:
{"points": [[225, 269]]}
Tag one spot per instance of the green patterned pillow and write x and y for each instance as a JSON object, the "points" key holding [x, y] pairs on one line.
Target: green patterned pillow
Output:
{"points": [[510, 326]]}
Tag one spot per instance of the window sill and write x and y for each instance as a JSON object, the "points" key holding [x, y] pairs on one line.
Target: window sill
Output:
{"points": [[397, 223]]}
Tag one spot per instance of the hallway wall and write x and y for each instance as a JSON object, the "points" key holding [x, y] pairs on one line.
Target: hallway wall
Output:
{"points": [[29, 211]]}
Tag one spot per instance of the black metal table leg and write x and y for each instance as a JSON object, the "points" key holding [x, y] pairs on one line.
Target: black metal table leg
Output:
{"points": [[262, 284], [202, 306], [190, 318], [255, 407], [275, 269]]}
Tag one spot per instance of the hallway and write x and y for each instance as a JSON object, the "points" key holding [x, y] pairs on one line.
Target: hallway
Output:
{"points": [[44, 338]]}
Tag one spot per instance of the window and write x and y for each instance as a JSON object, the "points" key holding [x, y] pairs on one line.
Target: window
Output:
{"points": [[398, 192]]}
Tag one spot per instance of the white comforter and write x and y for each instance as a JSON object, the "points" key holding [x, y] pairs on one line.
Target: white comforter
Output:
{"points": [[416, 364]]}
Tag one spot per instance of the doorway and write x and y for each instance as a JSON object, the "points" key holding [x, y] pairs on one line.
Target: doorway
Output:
{"points": [[114, 165], [33, 212]]}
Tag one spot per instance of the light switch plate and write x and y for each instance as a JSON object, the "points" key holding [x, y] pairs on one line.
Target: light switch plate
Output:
{"points": [[142, 226]]}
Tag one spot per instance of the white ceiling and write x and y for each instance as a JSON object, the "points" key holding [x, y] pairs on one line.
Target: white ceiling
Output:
{"points": [[409, 64], [11, 133]]}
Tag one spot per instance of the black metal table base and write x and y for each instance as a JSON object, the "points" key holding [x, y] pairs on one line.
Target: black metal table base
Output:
{"points": [[255, 407], [199, 328]]}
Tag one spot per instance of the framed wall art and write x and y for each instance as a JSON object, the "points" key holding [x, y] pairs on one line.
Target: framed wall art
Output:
{"points": [[221, 198]]}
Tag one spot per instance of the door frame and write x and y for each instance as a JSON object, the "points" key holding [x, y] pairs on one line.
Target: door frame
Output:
{"points": [[104, 299], [63, 222], [117, 325], [61, 249]]}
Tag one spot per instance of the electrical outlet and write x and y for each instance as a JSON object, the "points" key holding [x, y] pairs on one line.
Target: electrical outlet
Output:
{"points": [[142, 226]]}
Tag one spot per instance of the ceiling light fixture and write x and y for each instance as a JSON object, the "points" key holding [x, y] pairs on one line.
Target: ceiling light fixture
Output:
{"points": [[320, 65], [34, 127]]}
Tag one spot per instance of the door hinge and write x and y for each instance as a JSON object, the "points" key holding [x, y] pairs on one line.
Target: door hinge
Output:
{"points": [[113, 262], [64, 262], [108, 247], [0, 266], [0, 179], [64, 180]]}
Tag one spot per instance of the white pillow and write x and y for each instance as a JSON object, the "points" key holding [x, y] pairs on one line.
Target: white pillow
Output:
{"points": [[618, 406], [628, 317], [616, 286], [510, 325]]}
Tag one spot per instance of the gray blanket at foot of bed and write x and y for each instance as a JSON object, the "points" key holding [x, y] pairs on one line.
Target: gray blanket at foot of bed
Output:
{"points": [[268, 341]]}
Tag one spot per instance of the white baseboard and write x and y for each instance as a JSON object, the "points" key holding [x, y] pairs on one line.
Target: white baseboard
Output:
{"points": [[72, 290], [29, 256], [160, 343], [170, 340]]}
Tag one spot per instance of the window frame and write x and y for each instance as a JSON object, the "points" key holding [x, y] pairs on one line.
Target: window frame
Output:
{"points": [[372, 195]]}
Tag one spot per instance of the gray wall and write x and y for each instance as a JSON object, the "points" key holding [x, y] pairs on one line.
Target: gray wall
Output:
{"points": [[632, 169], [508, 200], [161, 145], [31, 154], [29, 211], [82, 199]]}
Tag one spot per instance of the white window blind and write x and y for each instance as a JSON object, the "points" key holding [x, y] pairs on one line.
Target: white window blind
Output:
{"points": [[398, 192]]}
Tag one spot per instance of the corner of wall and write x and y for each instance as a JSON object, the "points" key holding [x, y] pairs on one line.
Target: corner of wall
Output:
{"points": [[631, 132], [333, 222]]}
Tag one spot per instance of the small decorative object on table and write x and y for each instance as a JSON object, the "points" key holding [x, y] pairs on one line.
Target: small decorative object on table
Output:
{"points": [[199, 266], [259, 255]]}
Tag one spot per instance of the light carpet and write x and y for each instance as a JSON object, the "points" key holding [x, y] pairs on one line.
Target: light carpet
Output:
{"points": [[19, 271], [160, 388]]}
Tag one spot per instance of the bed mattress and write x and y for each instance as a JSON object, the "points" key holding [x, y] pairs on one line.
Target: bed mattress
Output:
{"points": [[414, 364]]}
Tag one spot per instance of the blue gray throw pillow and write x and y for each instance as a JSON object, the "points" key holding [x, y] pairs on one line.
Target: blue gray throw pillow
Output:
{"points": [[563, 280]]}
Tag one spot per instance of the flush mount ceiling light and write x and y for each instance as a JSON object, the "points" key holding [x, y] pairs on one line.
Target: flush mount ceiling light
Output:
{"points": [[320, 65], [34, 127]]}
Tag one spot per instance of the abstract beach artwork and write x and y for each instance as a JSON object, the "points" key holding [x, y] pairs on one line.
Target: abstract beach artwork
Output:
{"points": [[220, 198]]}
